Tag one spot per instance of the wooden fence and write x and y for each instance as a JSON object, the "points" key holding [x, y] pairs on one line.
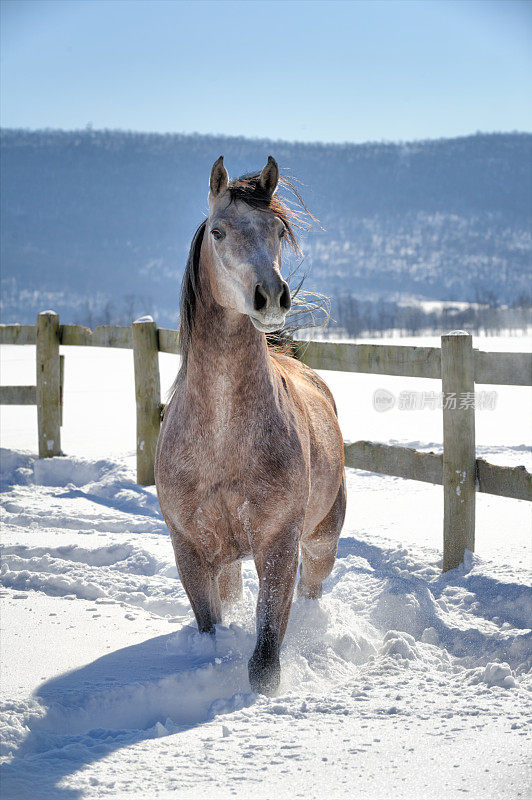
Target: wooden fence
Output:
{"points": [[456, 364]]}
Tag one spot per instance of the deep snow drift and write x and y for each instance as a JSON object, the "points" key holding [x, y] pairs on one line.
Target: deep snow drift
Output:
{"points": [[399, 682]]}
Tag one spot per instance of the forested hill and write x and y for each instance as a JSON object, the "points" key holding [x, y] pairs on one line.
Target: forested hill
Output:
{"points": [[97, 224]]}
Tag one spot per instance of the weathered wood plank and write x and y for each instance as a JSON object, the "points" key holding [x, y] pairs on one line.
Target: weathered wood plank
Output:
{"points": [[18, 395], [102, 336], [75, 335], [168, 341], [17, 334], [508, 369], [147, 395], [112, 336], [378, 359], [512, 369], [403, 462], [48, 384], [459, 465], [513, 482]]}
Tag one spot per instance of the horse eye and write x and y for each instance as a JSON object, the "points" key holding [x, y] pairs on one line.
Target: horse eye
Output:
{"points": [[217, 234], [282, 233]]}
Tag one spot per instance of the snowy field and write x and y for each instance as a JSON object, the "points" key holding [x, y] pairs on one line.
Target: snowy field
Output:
{"points": [[399, 682]]}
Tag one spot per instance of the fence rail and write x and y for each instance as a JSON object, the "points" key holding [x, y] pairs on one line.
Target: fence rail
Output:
{"points": [[18, 395], [456, 363]]}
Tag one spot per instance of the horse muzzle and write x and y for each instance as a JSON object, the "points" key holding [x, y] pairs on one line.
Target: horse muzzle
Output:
{"points": [[271, 304]]}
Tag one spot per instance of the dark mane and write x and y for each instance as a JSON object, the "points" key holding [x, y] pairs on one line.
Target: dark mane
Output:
{"points": [[190, 294], [247, 189]]}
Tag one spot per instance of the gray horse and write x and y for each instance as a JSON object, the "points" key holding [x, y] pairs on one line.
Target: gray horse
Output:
{"points": [[250, 457]]}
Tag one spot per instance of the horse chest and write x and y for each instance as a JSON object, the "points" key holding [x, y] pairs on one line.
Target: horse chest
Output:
{"points": [[224, 459]]}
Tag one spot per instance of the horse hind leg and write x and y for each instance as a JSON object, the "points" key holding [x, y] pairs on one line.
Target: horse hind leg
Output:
{"points": [[230, 583], [318, 550]]}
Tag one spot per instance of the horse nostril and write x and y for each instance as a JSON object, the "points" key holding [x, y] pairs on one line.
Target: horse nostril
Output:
{"points": [[284, 301], [260, 298]]}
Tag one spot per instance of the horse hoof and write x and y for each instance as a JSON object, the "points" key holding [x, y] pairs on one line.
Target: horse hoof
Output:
{"points": [[211, 630], [264, 678]]}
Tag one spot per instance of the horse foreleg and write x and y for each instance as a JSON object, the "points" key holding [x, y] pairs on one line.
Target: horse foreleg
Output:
{"points": [[318, 550], [230, 582], [277, 571], [200, 584]]}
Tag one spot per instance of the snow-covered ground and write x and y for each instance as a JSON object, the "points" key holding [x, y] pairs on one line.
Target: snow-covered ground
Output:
{"points": [[399, 682]]}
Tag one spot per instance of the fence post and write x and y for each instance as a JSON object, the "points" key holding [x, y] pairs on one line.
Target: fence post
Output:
{"points": [[48, 384], [147, 395], [459, 464]]}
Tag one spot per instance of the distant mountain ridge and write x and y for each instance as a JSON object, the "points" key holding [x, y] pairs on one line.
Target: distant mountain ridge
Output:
{"points": [[98, 223]]}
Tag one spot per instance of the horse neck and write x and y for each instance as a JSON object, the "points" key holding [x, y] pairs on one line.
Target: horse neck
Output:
{"points": [[228, 360]]}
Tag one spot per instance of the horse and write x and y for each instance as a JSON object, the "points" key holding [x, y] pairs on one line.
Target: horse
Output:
{"points": [[250, 459]]}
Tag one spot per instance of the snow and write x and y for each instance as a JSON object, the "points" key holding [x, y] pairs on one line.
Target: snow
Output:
{"points": [[400, 682]]}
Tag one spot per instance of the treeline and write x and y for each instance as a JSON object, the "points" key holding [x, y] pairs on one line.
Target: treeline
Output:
{"points": [[351, 317], [356, 318], [124, 311], [88, 213]]}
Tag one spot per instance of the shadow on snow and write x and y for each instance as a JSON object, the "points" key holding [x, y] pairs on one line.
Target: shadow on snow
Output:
{"points": [[140, 692]]}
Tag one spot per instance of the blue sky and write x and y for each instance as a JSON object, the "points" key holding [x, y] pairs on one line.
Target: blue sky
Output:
{"points": [[311, 71]]}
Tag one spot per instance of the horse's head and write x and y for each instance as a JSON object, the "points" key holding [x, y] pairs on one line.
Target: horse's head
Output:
{"points": [[243, 235]]}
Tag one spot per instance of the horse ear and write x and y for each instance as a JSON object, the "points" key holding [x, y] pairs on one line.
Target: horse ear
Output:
{"points": [[269, 177], [219, 178]]}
